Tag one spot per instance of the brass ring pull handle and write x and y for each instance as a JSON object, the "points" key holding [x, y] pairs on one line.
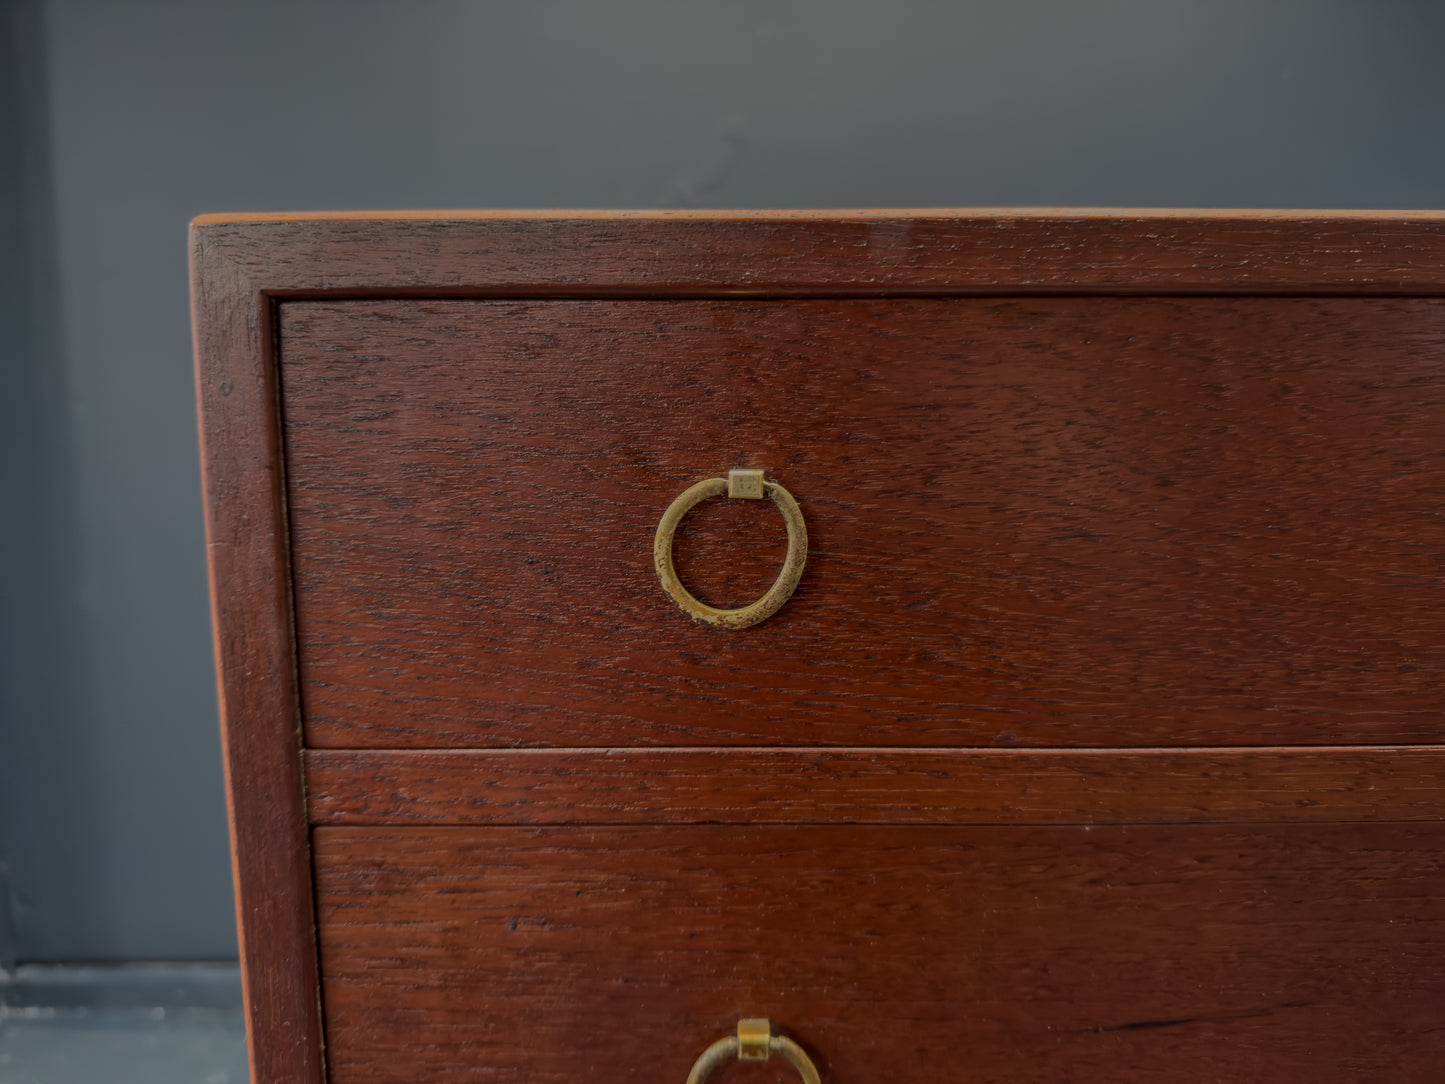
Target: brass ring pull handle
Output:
{"points": [[748, 484], [754, 1041]]}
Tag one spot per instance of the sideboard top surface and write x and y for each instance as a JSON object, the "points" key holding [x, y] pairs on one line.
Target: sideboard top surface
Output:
{"points": [[821, 253]]}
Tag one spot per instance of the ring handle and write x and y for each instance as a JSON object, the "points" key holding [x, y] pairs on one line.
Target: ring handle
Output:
{"points": [[747, 484], [754, 1041]]}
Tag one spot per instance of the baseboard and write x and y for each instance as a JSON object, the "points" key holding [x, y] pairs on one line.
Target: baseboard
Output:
{"points": [[7, 924], [122, 986]]}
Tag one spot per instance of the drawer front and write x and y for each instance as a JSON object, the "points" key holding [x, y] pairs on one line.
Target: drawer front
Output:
{"points": [[939, 954], [1034, 522]]}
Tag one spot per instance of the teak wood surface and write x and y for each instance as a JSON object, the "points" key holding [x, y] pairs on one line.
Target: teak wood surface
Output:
{"points": [[872, 786], [1238, 545], [928, 955], [1041, 522]]}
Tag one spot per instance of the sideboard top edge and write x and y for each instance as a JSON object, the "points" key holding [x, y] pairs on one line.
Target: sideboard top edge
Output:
{"points": [[873, 253], [864, 214]]}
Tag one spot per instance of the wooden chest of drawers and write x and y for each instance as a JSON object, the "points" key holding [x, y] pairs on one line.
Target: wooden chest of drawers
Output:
{"points": [[1098, 741]]}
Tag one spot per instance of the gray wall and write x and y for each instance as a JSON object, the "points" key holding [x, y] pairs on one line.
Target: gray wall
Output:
{"points": [[130, 116]]}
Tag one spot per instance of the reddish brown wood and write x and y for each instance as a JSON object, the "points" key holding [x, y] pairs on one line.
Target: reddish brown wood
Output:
{"points": [[872, 786], [1258, 477], [821, 252], [1305, 953], [250, 597], [1041, 522]]}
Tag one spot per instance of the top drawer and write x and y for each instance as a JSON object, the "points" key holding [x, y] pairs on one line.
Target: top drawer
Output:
{"points": [[1064, 521]]}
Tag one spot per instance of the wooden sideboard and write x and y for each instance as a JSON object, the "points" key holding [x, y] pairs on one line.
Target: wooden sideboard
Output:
{"points": [[1100, 739]]}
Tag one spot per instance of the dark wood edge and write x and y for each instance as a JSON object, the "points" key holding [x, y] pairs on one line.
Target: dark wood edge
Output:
{"points": [[814, 214], [251, 603], [874, 786], [833, 253]]}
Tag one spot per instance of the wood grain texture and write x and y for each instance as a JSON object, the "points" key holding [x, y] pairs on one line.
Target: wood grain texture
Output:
{"points": [[1234, 538], [1033, 522], [851, 252], [250, 598], [872, 786], [1281, 954]]}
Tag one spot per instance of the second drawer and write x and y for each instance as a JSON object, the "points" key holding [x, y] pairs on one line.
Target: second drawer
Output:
{"points": [[938, 954]]}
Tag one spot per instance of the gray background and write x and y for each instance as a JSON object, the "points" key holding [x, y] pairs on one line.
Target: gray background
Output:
{"points": [[121, 119]]}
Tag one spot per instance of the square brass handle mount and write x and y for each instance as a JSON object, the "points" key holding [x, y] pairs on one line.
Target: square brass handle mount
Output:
{"points": [[754, 1041]]}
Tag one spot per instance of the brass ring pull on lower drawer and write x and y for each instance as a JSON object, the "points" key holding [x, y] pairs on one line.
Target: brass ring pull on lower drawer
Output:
{"points": [[748, 484], [754, 1041]]}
